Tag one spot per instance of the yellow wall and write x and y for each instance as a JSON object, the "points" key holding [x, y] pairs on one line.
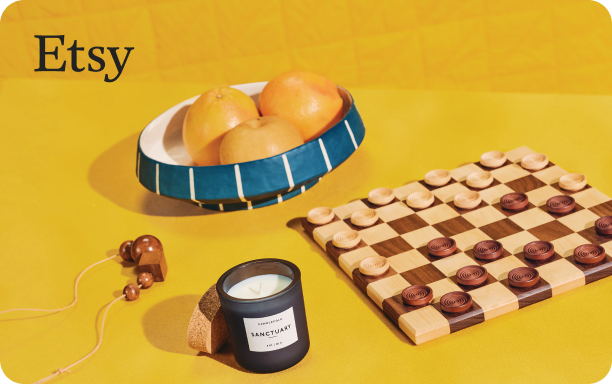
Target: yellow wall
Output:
{"points": [[547, 46]]}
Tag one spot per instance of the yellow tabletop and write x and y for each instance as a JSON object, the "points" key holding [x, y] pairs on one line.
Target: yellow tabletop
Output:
{"points": [[70, 196]]}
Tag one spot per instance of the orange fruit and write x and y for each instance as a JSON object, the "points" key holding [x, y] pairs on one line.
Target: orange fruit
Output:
{"points": [[259, 138], [309, 101], [210, 117]]}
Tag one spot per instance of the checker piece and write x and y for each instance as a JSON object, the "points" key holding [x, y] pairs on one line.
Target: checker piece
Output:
{"points": [[346, 239], [480, 179], [573, 181], [523, 277], [364, 217], [374, 265], [442, 247], [589, 254], [456, 302], [472, 275], [493, 159], [514, 201], [561, 204], [534, 161], [437, 177], [603, 226], [420, 199], [321, 215], [467, 200], [488, 250], [416, 295], [381, 196], [538, 250]]}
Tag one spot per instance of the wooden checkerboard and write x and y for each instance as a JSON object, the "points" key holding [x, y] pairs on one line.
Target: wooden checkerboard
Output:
{"points": [[401, 234]]}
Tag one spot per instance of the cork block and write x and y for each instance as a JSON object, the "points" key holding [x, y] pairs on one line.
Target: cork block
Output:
{"points": [[207, 331], [155, 264]]}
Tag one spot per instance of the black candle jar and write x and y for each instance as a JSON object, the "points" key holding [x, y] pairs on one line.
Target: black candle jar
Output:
{"points": [[268, 334]]}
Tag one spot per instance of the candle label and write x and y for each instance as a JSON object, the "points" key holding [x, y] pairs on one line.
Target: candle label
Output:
{"points": [[271, 333]]}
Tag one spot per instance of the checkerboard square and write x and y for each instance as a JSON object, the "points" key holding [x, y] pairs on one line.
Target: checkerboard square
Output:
{"points": [[393, 211], [470, 254], [407, 260], [495, 300], [407, 224], [363, 281], [433, 188], [421, 237], [516, 155], [493, 184], [379, 290], [391, 247], [531, 218], [484, 216], [345, 211], [461, 173], [423, 250], [565, 246], [466, 240], [368, 204], [337, 252], [515, 243], [590, 197], [562, 276], [463, 211], [568, 193], [451, 264], [550, 175], [550, 231], [525, 184], [448, 192], [424, 324], [453, 226], [467, 288], [608, 248], [592, 237], [500, 268], [325, 233], [394, 307], [509, 173], [405, 190], [538, 263], [596, 271], [492, 195], [423, 275], [350, 260], [604, 209], [458, 321], [438, 214], [540, 196], [579, 220], [441, 288], [377, 233], [359, 228], [557, 216], [508, 162], [527, 296]]}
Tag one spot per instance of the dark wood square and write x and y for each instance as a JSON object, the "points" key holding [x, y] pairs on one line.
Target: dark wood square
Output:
{"points": [[462, 211], [374, 206], [407, 224], [525, 184], [394, 307], [423, 275], [501, 229], [470, 254], [454, 226], [527, 296], [435, 203], [563, 191], [494, 183], [310, 227], [604, 209], [508, 162], [594, 272], [509, 213], [560, 215], [535, 264], [432, 188], [357, 228], [550, 231], [459, 321], [423, 251], [362, 280], [336, 252], [391, 247], [467, 288], [591, 235]]}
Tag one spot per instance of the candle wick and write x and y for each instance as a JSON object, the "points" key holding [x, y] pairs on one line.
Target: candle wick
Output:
{"points": [[260, 287], [258, 292]]}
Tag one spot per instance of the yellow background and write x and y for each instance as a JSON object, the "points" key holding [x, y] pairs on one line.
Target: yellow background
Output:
{"points": [[69, 194]]}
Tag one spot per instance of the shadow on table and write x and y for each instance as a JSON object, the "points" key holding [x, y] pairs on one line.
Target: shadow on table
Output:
{"points": [[296, 225], [165, 327]]}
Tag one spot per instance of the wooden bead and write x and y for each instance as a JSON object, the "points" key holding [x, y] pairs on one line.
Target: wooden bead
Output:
{"points": [[143, 244], [145, 279], [131, 292], [125, 250]]}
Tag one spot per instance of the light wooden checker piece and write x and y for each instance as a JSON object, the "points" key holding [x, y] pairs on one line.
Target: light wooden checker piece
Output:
{"points": [[401, 235]]}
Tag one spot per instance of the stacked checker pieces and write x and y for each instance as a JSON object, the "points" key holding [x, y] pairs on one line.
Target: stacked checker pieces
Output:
{"points": [[397, 242]]}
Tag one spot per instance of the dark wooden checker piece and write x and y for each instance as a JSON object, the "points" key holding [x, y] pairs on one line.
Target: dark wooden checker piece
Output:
{"points": [[470, 254], [467, 288], [509, 213], [535, 264], [423, 251], [577, 208]]}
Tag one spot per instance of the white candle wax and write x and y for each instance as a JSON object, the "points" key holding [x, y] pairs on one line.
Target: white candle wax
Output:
{"points": [[257, 287]]}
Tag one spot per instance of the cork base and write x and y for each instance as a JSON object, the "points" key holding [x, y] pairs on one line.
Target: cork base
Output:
{"points": [[207, 331]]}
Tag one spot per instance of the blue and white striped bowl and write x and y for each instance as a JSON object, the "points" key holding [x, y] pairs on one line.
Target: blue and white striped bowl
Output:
{"points": [[164, 167]]}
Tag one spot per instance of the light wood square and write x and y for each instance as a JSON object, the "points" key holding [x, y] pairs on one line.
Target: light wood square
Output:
{"points": [[565, 246], [438, 214], [424, 324], [407, 261], [350, 260], [405, 190], [450, 265], [590, 197], [550, 175], [345, 211], [495, 300], [377, 233], [421, 236], [484, 216], [531, 218], [325, 233], [461, 173], [509, 173], [447, 194], [380, 290], [580, 220], [516, 155], [441, 288], [393, 211], [562, 276], [467, 240], [540, 196], [515, 243], [608, 247], [492, 195], [499, 269]]}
